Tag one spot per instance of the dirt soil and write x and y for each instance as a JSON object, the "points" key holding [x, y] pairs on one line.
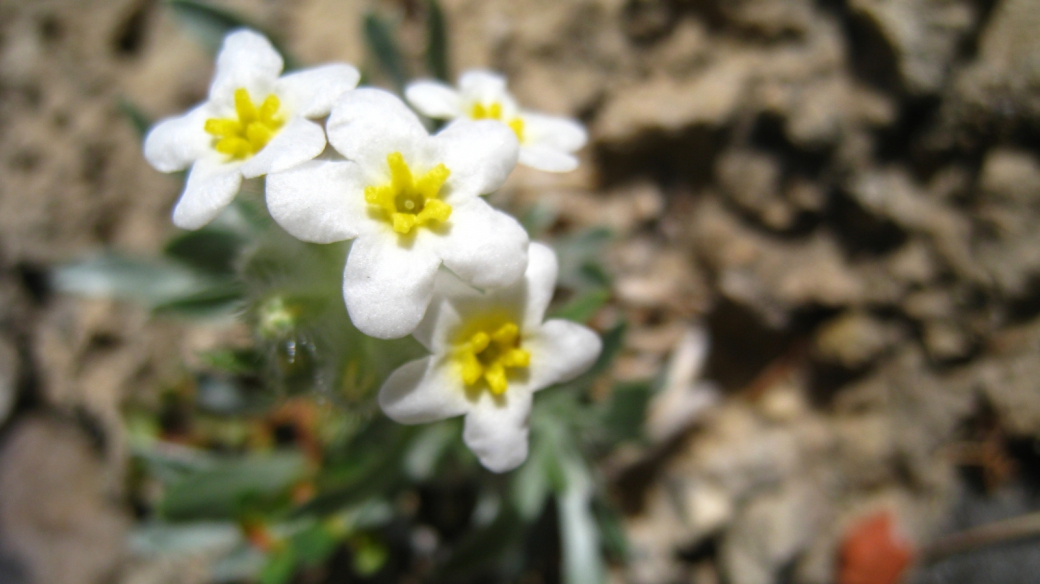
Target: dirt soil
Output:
{"points": [[845, 194]]}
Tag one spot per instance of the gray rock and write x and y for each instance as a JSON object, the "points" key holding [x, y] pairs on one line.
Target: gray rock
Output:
{"points": [[770, 531], [56, 513], [1004, 82], [924, 35], [854, 339], [1009, 378], [1008, 211], [770, 18], [752, 180]]}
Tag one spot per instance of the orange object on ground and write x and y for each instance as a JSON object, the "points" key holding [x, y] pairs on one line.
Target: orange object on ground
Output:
{"points": [[873, 552]]}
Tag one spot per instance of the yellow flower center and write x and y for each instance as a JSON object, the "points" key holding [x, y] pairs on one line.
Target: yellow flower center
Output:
{"points": [[494, 112], [488, 353], [407, 201], [252, 128]]}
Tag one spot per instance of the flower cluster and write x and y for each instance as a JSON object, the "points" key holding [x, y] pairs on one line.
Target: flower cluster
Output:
{"points": [[546, 142], [429, 256]]}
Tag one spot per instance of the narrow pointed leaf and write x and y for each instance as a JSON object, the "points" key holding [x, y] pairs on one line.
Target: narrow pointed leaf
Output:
{"points": [[135, 116], [222, 491], [210, 24], [208, 249], [280, 567], [156, 539], [383, 47], [116, 276], [437, 42], [583, 307], [530, 486], [579, 532], [218, 300]]}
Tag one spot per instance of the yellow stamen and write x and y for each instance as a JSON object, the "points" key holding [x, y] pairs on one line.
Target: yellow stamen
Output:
{"points": [[253, 127], [407, 201], [489, 353], [517, 125], [495, 375], [493, 111]]}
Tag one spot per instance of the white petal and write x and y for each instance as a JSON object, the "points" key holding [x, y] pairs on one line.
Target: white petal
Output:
{"points": [[441, 316], [387, 285], [312, 92], [211, 185], [547, 159], [423, 391], [320, 201], [367, 124], [496, 429], [539, 283], [297, 142], [549, 142], [483, 246], [479, 154], [246, 60], [175, 143], [434, 99], [483, 86], [560, 351], [554, 132], [528, 298]]}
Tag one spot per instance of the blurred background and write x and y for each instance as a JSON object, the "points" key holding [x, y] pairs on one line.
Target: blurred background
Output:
{"points": [[810, 230]]}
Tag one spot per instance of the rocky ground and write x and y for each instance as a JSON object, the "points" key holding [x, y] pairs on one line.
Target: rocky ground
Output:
{"points": [[845, 194]]}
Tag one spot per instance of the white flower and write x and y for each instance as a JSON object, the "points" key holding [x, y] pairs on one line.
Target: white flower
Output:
{"points": [[490, 353], [254, 122], [546, 142], [411, 200]]}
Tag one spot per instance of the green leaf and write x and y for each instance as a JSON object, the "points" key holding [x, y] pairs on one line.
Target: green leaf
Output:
{"points": [[218, 300], [531, 484], [625, 413], [234, 361], [163, 285], [210, 24], [613, 342], [427, 448], [280, 567], [170, 539], [151, 282], [584, 306], [246, 216], [370, 555], [220, 395], [226, 489], [135, 116], [383, 46], [436, 41], [314, 544], [483, 547], [171, 464], [374, 469], [207, 249], [580, 259], [538, 219], [594, 274], [574, 488], [370, 514], [243, 563], [579, 533], [612, 531]]}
